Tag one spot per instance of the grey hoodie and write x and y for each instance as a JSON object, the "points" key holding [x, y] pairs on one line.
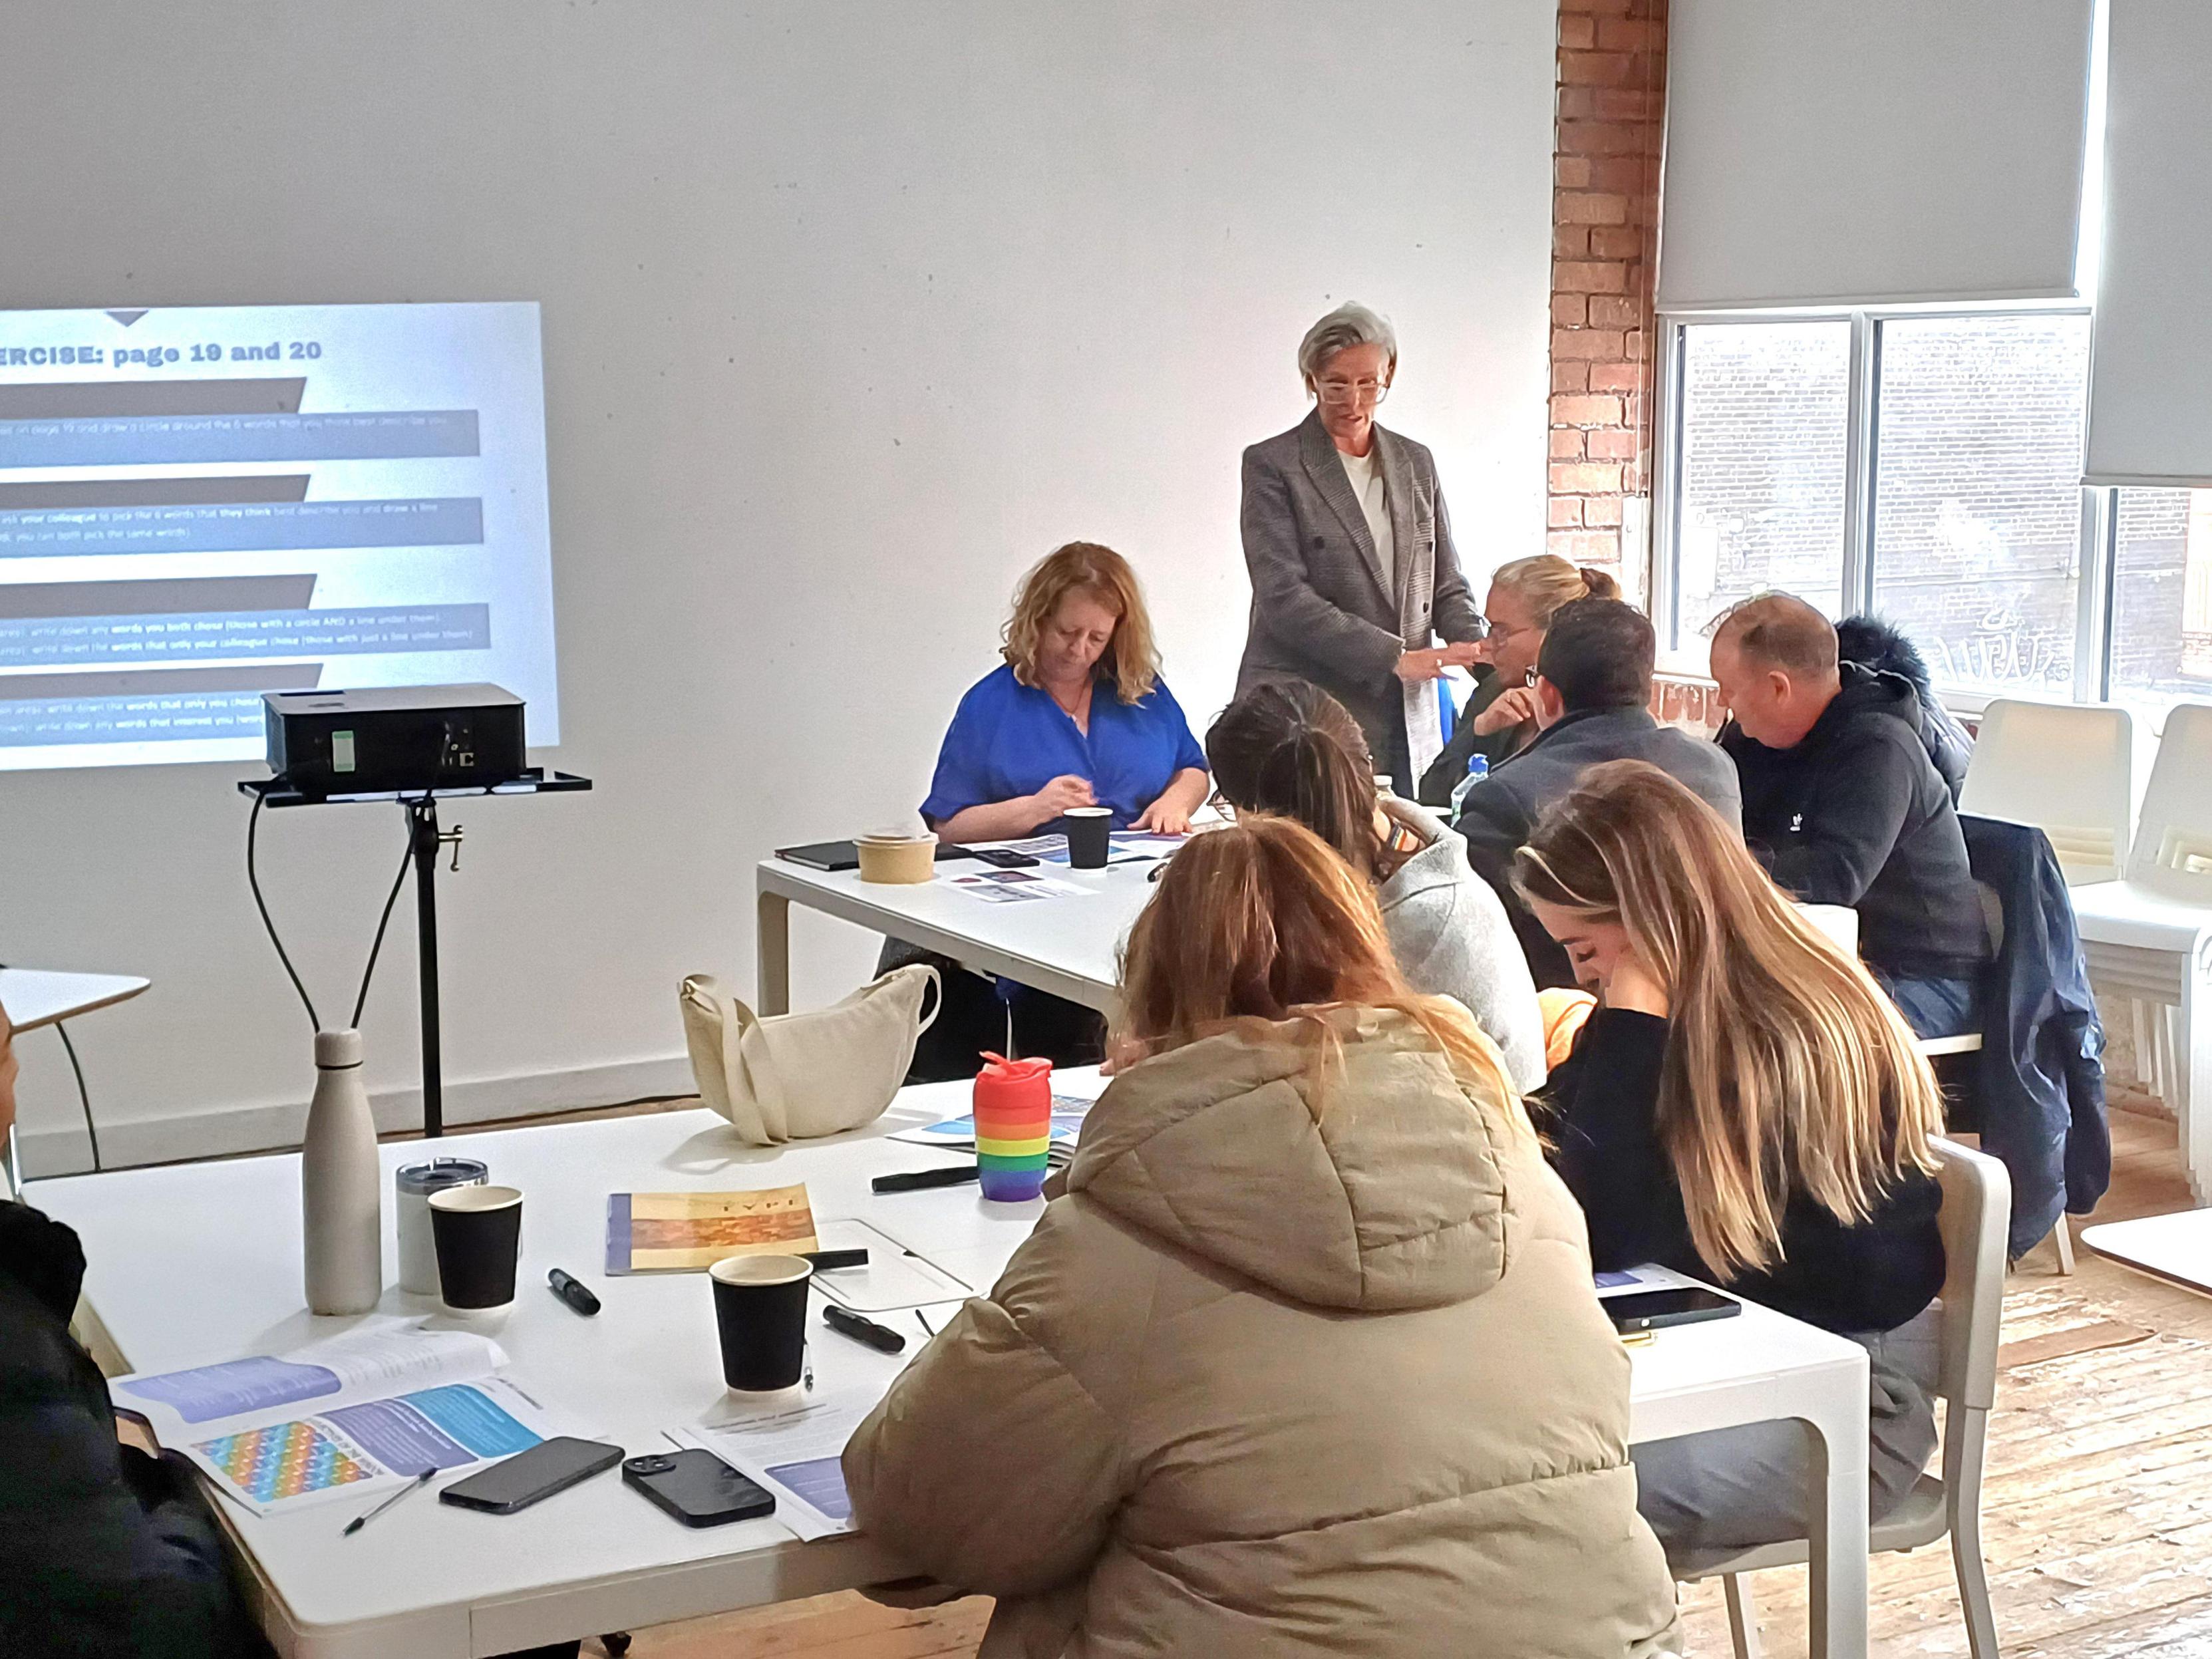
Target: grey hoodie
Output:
{"points": [[1452, 938]]}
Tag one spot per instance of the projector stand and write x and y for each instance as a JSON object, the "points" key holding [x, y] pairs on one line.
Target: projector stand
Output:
{"points": [[424, 838]]}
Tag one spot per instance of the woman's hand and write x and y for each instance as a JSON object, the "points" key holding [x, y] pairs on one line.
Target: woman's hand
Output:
{"points": [[1164, 818], [1511, 709], [1063, 792], [1416, 667], [1633, 986]]}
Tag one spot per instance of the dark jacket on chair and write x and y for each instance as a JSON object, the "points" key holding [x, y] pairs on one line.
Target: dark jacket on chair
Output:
{"points": [[105, 1552], [1501, 810], [2039, 1088], [1856, 814]]}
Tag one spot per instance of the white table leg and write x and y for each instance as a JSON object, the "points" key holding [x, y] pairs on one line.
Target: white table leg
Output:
{"points": [[772, 953], [1836, 1609], [2192, 1099]]}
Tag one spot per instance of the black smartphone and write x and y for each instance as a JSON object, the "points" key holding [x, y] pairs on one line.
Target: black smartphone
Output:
{"points": [[517, 1482], [1651, 1311], [1004, 857], [845, 855], [698, 1488]]}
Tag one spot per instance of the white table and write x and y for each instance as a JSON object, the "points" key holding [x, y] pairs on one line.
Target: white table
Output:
{"points": [[1065, 946], [196, 1263], [36, 996], [2176, 1248]]}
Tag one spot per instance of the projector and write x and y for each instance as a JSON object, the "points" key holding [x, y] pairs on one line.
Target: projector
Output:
{"points": [[395, 739]]}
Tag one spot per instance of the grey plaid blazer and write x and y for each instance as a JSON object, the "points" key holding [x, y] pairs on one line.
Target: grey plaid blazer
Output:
{"points": [[1320, 611]]}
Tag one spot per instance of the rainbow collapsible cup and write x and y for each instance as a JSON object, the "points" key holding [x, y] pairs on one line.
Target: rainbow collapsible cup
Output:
{"points": [[1013, 1127]]}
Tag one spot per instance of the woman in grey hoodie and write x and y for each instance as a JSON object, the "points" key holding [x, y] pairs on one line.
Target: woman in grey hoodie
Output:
{"points": [[1289, 748]]}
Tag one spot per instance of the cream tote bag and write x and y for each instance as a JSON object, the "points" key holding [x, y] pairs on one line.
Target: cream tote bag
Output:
{"points": [[793, 1077]]}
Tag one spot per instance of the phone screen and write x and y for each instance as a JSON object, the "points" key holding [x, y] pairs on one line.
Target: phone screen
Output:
{"points": [[1647, 1310], [516, 1482]]}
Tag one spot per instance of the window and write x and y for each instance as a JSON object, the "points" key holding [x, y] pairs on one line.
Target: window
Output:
{"points": [[2161, 632], [1926, 466], [1978, 496], [1763, 408]]}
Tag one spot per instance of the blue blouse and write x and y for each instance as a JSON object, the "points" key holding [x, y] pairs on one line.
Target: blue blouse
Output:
{"points": [[1008, 739]]}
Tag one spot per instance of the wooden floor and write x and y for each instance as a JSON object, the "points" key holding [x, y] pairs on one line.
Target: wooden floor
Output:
{"points": [[2097, 1505]]}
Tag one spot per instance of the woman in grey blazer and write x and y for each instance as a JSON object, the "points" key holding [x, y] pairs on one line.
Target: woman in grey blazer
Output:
{"points": [[1350, 551]]}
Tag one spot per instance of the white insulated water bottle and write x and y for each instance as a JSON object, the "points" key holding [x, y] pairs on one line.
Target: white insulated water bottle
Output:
{"points": [[340, 1191]]}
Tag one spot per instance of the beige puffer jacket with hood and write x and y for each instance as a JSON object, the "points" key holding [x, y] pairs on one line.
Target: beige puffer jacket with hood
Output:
{"points": [[1304, 1362]]}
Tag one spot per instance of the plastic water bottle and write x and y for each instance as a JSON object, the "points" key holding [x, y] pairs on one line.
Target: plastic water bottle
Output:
{"points": [[1478, 768]]}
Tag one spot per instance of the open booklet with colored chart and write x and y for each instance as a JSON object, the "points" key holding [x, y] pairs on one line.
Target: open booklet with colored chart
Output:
{"points": [[358, 1413]]}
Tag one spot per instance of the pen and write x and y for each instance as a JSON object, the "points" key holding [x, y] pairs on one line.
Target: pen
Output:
{"points": [[407, 1491], [573, 1291], [829, 1261], [881, 1338], [916, 1181]]}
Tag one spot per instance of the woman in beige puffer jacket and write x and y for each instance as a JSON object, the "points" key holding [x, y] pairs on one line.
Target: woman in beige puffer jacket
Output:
{"points": [[1307, 1358]]}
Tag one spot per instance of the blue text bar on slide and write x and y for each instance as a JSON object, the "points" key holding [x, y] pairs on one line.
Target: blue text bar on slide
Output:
{"points": [[68, 642], [159, 439], [60, 533]]}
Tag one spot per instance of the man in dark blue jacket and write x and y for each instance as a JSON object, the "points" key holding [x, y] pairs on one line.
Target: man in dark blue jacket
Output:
{"points": [[1842, 806], [1593, 696], [105, 1552]]}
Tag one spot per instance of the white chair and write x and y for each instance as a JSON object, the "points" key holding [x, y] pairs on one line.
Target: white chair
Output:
{"points": [[1976, 1210], [2069, 769], [2149, 937]]}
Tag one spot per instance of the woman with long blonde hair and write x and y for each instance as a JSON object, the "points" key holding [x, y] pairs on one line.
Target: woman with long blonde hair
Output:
{"points": [[1745, 1106], [1306, 1359]]}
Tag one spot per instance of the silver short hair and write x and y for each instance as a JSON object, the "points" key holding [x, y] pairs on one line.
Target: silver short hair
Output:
{"points": [[1350, 324]]}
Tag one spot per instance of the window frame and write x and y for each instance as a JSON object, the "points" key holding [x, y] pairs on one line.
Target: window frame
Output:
{"points": [[2093, 629]]}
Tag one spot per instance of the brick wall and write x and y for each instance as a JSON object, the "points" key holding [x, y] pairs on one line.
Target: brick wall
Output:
{"points": [[1612, 97]]}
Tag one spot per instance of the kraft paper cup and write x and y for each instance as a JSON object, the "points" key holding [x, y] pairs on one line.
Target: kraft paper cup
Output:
{"points": [[900, 860]]}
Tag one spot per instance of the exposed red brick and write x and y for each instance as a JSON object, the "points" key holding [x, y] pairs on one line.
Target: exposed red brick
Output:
{"points": [[1566, 511], [1595, 345], [1570, 241], [1623, 104], [1570, 377], [1577, 33], [1588, 207], [1570, 172], [1630, 35], [1585, 477], [1584, 546], [1600, 138], [1625, 174], [1603, 7], [1566, 444], [1589, 277], [1612, 444], [1585, 411], [1615, 377], [1600, 512], [1615, 242], [1570, 310], [1613, 311], [1632, 345]]}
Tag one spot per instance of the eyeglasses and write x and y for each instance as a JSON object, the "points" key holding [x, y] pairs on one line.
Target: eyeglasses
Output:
{"points": [[1354, 392]]}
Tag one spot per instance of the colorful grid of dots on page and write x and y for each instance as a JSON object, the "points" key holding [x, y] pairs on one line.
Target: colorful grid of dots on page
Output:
{"points": [[285, 1460]]}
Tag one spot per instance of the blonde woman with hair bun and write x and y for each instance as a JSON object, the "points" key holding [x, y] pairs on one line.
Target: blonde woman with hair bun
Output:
{"points": [[1746, 1107], [1499, 720]]}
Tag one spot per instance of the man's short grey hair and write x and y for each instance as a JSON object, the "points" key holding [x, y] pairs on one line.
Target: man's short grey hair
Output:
{"points": [[1349, 325]]}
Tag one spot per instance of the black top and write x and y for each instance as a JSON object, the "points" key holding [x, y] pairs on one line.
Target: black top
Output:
{"points": [[1856, 814], [103, 1551], [1605, 1100]]}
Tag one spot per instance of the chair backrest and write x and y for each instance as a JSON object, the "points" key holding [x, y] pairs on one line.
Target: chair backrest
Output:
{"points": [[2069, 769], [2173, 839], [1976, 1214]]}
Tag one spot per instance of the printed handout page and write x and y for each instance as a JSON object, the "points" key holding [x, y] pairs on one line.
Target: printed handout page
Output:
{"points": [[382, 1404], [796, 1453]]}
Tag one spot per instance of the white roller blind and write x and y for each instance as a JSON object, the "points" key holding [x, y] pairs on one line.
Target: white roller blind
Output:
{"points": [[1865, 151], [2150, 365]]}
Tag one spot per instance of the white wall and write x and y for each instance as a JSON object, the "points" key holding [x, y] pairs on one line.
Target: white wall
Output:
{"points": [[852, 311]]}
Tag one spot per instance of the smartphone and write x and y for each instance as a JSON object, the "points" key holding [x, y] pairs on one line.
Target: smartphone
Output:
{"points": [[1651, 1311], [1004, 857], [517, 1482], [845, 855], [698, 1488]]}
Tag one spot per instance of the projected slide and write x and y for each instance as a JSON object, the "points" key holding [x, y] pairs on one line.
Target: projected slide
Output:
{"points": [[200, 504]]}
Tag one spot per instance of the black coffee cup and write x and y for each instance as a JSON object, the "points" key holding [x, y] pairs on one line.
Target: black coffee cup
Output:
{"points": [[1088, 832], [477, 1232], [760, 1313]]}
